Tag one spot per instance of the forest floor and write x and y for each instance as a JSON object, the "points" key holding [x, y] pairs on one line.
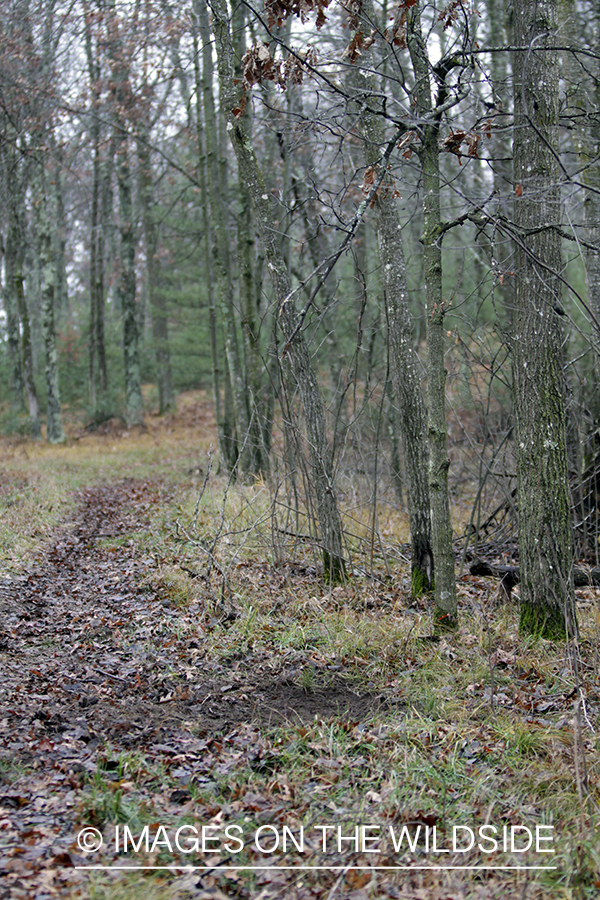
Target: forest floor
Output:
{"points": [[188, 711]]}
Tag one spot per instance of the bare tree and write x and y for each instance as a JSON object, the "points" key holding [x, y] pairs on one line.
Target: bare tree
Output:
{"points": [[404, 363], [295, 345], [545, 540]]}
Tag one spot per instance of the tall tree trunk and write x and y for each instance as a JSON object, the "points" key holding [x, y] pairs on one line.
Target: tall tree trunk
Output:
{"points": [[158, 308], [253, 365], [98, 381], [582, 104], [94, 264], [61, 302], [106, 168], [411, 417], [127, 287], [219, 218], [45, 224], [582, 76], [445, 615], [502, 154], [295, 348], [13, 324], [203, 86], [547, 594], [18, 280]]}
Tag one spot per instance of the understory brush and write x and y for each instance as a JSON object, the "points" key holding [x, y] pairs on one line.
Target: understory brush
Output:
{"points": [[346, 712]]}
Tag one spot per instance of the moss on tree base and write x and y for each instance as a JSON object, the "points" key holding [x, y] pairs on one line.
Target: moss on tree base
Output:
{"points": [[443, 621], [419, 582], [334, 569], [542, 621]]}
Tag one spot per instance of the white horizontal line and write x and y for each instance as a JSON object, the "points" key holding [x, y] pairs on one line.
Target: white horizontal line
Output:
{"points": [[311, 868]]}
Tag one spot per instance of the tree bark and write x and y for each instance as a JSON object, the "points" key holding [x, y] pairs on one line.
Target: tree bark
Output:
{"points": [[18, 283], [445, 614], [126, 287], [295, 347], [502, 156], [219, 218], [404, 363], [203, 86], [583, 103], [253, 366], [547, 596], [98, 380], [11, 308], [160, 322], [45, 224]]}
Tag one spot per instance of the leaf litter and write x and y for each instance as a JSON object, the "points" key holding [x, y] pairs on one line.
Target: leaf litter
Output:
{"points": [[94, 665], [121, 705]]}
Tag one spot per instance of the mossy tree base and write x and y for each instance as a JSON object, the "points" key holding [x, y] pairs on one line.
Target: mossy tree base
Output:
{"points": [[543, 621], [334, 569], [419, 582], [444, 621]]}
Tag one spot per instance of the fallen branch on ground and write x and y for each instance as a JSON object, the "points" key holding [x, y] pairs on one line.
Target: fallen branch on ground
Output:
{"points": [[511, 575]]}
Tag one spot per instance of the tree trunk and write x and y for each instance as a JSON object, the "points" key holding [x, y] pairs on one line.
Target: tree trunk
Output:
{"points": [[27, 352], [98, 381], [160, 322], [445, 615], [106, 168], [219, 218], [203, 86], [13, 325], [547, 596], [502, 156], [127, 288], [45, 226], [403, 359], [582, 75], [295, 347], [253, 365], [61, 290]]}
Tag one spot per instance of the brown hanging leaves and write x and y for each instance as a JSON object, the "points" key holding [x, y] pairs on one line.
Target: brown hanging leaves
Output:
{"points": [[404, 143], [453, 144], [358, 44], [503, 275], [280, 10], [258, 65], [369, 178], [396, 34], [449, 14], [352, 51], [296, 66], [240, 109]]}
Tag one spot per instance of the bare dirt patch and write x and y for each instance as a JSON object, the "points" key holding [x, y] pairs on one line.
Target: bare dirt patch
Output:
{"points": [[75, 628]]}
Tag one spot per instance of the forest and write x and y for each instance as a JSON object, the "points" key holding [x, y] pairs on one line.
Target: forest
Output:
{"points": [[299, 350]]}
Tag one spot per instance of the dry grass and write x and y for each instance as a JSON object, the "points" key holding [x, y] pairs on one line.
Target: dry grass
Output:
{"points": [[481, 727]]}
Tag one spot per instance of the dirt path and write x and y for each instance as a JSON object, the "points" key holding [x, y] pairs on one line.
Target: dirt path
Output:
{"points": [[95, 662]]}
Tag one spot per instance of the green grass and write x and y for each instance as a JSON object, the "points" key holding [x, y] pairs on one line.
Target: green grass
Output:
{"points": [[477, 726]]}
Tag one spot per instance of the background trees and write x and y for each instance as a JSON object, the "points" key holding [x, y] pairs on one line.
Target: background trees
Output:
{"points": [[359, 238]]}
